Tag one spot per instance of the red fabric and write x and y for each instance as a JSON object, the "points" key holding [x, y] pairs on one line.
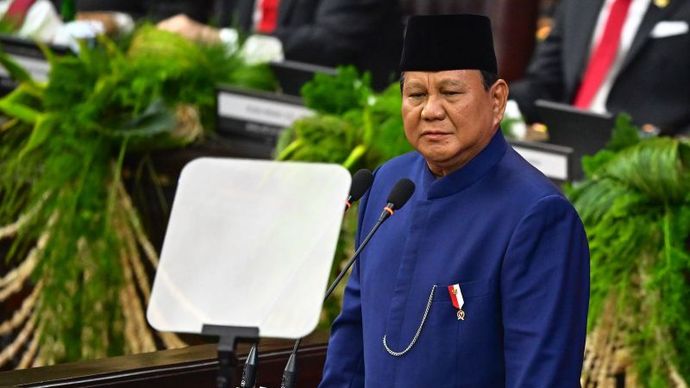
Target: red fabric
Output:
{"points": [[453, 298], [604, 54], [269, 16], [16, 12]]}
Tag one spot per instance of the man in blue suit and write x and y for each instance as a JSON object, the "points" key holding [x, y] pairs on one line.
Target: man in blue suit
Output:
{"points": [[482, 279]]}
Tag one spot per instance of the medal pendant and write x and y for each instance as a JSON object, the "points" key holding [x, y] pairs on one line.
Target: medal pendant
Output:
{"points": [[661, 3], [457, 300]]}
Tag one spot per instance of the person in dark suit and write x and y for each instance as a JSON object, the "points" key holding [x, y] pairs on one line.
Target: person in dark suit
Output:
{"points": [[649, 78], [365, 33], [482, 279], [200, 10]]}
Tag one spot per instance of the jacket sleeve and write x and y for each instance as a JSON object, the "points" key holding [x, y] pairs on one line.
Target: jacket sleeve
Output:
{"points": [[545, 297], [344, 365], [338, 31], [544, 77]]}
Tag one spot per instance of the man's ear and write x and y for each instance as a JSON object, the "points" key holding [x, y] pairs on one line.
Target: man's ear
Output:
{"points": [[499, 99]]}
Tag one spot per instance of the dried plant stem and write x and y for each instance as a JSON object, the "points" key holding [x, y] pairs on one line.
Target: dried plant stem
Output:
{"points": [[23, 313]]}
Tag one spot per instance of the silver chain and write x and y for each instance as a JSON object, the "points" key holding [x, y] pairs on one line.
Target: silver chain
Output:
{"points": [[419, 329]]}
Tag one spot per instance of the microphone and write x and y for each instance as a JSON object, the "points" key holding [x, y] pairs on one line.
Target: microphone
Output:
{"points": [[361, 182], [249, 371], [290, 373], [401, 192], [398, 197]]}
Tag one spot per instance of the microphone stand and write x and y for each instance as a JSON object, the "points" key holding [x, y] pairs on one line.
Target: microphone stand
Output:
{"points": [[290, 372]]}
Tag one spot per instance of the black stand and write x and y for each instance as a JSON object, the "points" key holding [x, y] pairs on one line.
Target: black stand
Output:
{"points": [[228, 338]]}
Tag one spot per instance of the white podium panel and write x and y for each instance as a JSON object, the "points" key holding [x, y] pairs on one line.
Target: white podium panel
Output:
{"points": [[249, 244]]}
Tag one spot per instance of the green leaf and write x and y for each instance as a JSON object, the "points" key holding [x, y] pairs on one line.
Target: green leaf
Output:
{"points": [[625, 134], [15, 71], [19, 111], [354, 157], [40, 133], [155, 120]]}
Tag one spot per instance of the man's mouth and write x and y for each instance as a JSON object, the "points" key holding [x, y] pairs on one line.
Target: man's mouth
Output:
{"points": [[434, 135]]}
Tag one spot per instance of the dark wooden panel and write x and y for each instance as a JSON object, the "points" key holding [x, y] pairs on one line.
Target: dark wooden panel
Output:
{"points": [[195, 366], [515, 24]]}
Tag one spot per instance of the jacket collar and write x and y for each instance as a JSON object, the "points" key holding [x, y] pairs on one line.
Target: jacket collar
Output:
{"points": [[466, 176]]}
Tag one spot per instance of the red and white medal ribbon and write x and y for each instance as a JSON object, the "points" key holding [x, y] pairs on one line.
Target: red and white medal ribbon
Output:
{"points": [[456, 298]]}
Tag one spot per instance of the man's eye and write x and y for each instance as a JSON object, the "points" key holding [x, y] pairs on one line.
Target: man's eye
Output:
{"points": [[417, 95], [451, 92]]}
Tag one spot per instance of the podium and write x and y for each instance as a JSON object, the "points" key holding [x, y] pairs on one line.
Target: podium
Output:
{"points": [[248, 251]]}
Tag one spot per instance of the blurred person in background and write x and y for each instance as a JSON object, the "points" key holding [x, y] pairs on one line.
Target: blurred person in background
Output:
{"points": [[202, 11], [615, 56], [364, 33], [39, 20]]}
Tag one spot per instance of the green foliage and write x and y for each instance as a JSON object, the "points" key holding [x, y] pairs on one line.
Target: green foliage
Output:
{"points": [[61, 151], [333, 135], [340, 94], [635, 205], [368, 125], [68, 10], [625, 134], [386, 139], [6, 27]]}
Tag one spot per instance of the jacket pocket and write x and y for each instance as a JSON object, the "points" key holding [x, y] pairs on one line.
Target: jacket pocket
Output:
{"points": [[470, 290]]}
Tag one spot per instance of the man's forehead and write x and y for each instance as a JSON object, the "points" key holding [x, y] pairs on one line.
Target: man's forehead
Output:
{"points": [[441, 77]]}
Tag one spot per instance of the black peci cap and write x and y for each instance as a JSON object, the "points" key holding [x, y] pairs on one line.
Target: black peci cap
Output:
{"points": [[448, 42]]}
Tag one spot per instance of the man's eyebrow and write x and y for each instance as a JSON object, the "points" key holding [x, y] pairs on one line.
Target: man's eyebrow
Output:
{"points": [[451, 82], [413, 84]]}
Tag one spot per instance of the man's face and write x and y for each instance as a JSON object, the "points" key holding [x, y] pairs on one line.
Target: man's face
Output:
{"points": [[449, 116]]}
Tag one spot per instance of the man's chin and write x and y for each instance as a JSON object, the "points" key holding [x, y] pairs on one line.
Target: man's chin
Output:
{"points": [[437, 156], [442, 167]]}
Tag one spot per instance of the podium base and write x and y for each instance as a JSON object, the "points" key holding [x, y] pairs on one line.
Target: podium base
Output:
{"points": [[229, 336]]}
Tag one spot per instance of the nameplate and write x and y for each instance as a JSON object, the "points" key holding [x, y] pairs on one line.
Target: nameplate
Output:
{"points": [[255, 118], [260, 108], [553, 161]]}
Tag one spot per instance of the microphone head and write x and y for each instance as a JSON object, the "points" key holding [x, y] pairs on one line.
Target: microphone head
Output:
{"points": [[401, 192], [361, 182]]}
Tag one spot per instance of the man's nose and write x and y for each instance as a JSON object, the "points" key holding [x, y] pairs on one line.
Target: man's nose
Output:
{"points": [[433, 109]]}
